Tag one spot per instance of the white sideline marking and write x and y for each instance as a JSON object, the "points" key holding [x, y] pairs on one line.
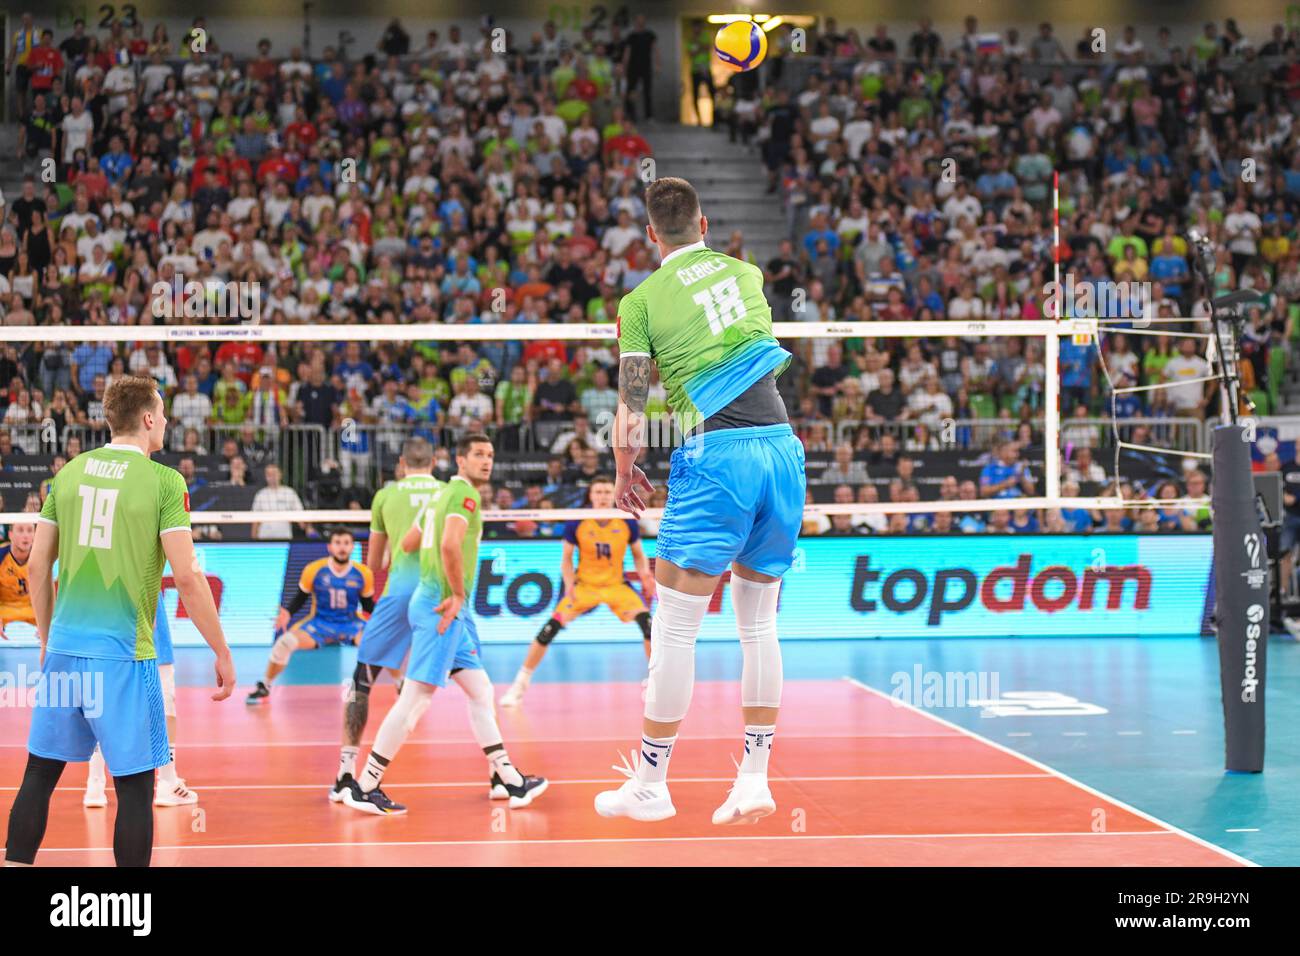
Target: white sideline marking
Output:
{"points": [[588, 840], [447, 741], [1064, 776], [475, 784]]}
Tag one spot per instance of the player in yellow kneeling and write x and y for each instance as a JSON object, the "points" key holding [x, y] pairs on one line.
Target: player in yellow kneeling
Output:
{"points": [[598, 579], [338, 588]]}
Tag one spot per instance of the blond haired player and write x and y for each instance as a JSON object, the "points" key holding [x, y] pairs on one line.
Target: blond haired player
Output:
{"points": [[111, 521], [601, 545]]}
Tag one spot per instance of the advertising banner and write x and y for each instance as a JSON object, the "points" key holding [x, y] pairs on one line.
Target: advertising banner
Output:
{"points": [[861, 587]]}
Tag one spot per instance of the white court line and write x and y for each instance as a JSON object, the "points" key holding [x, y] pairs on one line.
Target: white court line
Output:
{"points": [[1181, 732], [589, 840], [466, 784], [186, 745], [1242, 830], [1128, 733], [1057, 773]]}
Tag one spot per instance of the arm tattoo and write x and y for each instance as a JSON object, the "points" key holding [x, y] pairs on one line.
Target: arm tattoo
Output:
{"points": [[634, 382]]}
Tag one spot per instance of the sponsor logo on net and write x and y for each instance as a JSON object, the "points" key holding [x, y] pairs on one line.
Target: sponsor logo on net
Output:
{"points": [[52, 688], [1254, 629]]}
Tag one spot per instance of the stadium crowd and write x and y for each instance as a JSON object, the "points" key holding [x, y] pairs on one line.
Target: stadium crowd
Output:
{"points": [[440, 181]]}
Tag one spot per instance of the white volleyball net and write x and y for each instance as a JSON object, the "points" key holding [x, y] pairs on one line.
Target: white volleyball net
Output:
{"points": [[903, 422]]}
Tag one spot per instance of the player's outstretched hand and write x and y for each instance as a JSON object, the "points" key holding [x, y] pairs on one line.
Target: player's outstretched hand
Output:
{"points": [[449, 609], [627, 491], [281, 621], [225, 668]]}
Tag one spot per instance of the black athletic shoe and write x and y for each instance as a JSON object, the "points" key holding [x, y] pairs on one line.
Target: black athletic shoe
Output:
{"points": [[376, 801], [526, 792], [260, 694], [341, 784]]}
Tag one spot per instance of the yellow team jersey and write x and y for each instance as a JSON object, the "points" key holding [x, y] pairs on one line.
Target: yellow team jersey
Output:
{"points": [[335, 598], [602, 546], [15, 599]]}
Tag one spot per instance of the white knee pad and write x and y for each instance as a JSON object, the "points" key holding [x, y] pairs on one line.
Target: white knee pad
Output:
{"points": [[755, 604], [167, 678], [283, 647], [481, 706], [672, 654]]}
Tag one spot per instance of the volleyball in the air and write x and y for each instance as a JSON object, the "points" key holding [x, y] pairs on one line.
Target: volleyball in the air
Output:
{"points": [[741, 44]]}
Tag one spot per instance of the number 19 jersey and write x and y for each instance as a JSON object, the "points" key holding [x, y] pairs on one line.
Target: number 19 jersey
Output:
{"points": [[703, 318], [111, 506]]}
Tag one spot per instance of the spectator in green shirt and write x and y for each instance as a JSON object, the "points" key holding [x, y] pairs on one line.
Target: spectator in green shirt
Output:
{"points": [[232, 409]]}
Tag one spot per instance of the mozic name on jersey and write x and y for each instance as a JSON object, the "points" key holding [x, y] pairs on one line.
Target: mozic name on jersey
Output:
{"points": [[98, 468], [693, 274]]}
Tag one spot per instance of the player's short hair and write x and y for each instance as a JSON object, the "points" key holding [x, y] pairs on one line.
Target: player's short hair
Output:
{"points": [[602, 479], [674, 210], [467, 442], [417, 453], [335, 532], [126, 400]]}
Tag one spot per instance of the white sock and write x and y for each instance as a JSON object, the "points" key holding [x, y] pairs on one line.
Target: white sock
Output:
{"points": [[758, 747], [348, 761], [167, 773], [376, 764], [412, 702], [524, 677], [97, 768], [499, 762], [653, 765]]}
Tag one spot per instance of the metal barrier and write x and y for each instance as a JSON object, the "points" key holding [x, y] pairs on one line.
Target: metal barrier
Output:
{"points": [[367, 453]]}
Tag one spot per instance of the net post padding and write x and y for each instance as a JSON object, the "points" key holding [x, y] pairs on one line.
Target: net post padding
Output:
{"points": [[1241, 599]]}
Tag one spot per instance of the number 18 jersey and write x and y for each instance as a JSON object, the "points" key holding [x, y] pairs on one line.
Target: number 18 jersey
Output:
{"points": [[703, 318], [111, 506]]}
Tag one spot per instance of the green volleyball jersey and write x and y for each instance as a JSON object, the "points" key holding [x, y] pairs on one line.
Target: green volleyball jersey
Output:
{"points": [[703, 318], [455, 497], [392, 512], [111, 506]]}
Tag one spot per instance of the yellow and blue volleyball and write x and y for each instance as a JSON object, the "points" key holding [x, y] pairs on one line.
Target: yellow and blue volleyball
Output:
{"points": [[741, 44]]}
